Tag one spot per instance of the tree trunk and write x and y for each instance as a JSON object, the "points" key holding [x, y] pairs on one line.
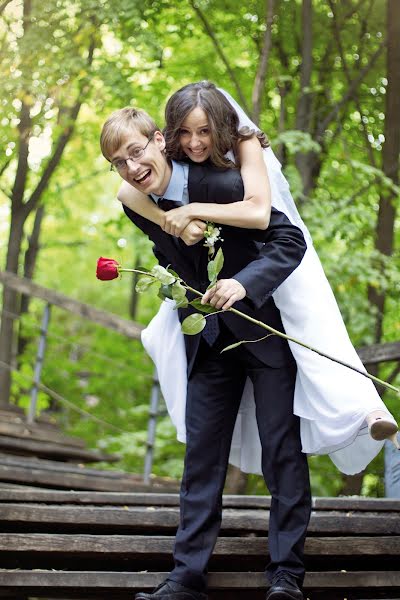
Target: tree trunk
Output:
{"points": [[384, 236], [10, 303], [305, 162], [29, 268], [259, 83]]}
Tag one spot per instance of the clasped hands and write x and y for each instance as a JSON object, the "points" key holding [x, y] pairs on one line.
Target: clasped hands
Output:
{"points": [[180, 222]]}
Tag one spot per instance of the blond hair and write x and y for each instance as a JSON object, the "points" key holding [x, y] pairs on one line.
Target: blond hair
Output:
{"points": [[121, 123]]}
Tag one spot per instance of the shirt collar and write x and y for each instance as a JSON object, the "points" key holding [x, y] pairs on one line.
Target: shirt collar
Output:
{"points": [[175, 188]]}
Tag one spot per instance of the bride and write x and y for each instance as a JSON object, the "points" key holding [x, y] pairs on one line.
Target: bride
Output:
{"points": [[341, 413]]}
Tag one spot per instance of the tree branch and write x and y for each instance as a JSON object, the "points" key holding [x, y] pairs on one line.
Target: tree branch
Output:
{"points": [[394, 373], [350, 91], [346, 70], [24, 133], [304, 104], [221, 54]]}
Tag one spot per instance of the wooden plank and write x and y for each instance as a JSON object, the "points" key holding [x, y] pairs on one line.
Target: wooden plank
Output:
{"points": [[57, 467], [22, 580], [135, 546], [166, 519], [100, 317], [21, 429], [74, 481], [170, 499], [50, 450], [377, 353]]}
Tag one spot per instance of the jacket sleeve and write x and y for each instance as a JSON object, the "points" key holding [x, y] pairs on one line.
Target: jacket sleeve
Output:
{"points": [[144, 224], [282, 252]]}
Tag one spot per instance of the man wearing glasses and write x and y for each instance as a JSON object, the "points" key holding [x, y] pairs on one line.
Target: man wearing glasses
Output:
{"points": [[255, 264]]}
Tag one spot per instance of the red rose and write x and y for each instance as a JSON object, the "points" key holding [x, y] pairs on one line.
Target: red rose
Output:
{"points": [[107, 268]]}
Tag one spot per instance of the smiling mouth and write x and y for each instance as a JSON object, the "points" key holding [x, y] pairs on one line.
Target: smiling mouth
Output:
{"points": [[144, 177]]}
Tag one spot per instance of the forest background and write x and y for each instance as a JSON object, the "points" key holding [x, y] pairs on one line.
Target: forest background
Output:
{"points": [[322, 79]]}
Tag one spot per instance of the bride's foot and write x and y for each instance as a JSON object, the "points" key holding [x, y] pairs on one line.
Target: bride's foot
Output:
{"points": [[382, 426]]}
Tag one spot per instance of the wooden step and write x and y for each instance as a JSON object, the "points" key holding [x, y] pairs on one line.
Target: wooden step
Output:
{"points": [[344, 504], [50, 450], [41, 583], [19, 428], [165, 519], [54, 474], [60, 544], [134, 546]]}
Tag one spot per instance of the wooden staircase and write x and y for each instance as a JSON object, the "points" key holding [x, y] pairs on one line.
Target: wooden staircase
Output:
{"points": [[65, 544]]}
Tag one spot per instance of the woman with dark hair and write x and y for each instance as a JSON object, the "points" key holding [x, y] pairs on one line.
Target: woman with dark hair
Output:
{"points": [[202, 125], [337, 407]]}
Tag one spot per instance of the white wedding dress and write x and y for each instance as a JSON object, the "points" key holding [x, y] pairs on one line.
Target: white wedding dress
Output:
{"points": [[332, 401]]}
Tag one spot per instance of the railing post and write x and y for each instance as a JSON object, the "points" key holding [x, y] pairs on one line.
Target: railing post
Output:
{"points": [[39, 363], [151, 428]]}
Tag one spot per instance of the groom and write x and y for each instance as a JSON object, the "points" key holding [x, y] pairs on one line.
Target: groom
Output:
{"points": [[256, 263]]}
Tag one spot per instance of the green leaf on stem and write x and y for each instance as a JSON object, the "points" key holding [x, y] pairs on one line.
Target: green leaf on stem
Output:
{"points": [[163, 275], [232, 346], [174, 273], [205, 308], [165, 291], [144, 283], [179, 295], [193, 324], [214, 267]]}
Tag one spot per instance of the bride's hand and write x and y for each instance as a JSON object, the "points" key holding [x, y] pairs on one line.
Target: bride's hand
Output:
{"points": [[194, 232], [176, 220]]}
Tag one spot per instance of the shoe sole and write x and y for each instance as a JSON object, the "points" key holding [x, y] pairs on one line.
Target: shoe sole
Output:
{"points": [[380, 430], [283, 596]]}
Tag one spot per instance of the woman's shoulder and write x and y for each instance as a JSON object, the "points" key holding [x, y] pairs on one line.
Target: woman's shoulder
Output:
{"points": [[127, 193]]}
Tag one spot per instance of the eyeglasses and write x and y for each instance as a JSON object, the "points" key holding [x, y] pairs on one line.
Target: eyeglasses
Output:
{"points": [[122, 163]]}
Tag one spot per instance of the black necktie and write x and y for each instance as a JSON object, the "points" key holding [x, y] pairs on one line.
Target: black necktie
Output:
{"points": [[166, 205], [211, 330]]}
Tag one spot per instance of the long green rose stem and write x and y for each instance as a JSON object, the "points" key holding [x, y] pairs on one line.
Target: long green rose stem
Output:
{"points": [[292, 339], [286, 337]]}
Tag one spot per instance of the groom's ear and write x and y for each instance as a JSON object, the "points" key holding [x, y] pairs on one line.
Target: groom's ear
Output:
{"points": [[159, 140]]}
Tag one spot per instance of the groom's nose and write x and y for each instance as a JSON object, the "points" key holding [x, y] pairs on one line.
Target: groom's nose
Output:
{"points": [[132, 166]]}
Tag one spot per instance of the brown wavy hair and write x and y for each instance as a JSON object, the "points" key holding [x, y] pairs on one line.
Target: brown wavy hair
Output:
{"points": [[222, 119]]}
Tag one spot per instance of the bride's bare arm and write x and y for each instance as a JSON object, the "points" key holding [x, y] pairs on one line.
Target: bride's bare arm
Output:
{"points": [[140, 204], [192, 233], [253, 213]]}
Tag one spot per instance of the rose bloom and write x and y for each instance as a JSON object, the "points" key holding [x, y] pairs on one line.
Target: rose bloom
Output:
{"points": [[107, 268]]}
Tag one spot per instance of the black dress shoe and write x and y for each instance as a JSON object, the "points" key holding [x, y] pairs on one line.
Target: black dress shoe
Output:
{"points": [[284, 586], [171, 590]]}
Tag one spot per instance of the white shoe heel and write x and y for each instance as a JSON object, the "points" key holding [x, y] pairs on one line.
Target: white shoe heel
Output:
{"points": [[382, 427]]}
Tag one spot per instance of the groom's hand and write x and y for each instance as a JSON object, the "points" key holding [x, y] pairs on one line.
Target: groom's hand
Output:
{"points": [[194, 232], [224, 294]]}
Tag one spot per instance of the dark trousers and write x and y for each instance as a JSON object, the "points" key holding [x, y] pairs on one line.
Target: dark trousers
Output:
{"points": [[214, 392]]}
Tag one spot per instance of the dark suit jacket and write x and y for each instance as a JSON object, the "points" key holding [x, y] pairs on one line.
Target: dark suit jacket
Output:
{"points": [[259, 260]]}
